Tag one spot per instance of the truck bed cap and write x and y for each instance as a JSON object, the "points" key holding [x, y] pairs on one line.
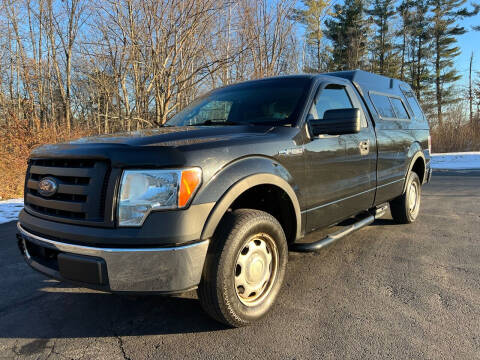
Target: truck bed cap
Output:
{"points": [[368, 81]]}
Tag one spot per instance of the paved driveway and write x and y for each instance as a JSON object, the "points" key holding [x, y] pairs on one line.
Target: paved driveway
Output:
{"points": [[387, 291]]}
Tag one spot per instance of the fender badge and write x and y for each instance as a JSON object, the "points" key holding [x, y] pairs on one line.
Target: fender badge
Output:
{"points": [[291, 151]]}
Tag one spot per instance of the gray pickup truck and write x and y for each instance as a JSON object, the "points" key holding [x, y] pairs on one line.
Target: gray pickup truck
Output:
{"points": [[214, 199]]}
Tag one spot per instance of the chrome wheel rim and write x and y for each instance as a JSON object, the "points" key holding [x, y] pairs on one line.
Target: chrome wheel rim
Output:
{"points": [[256, 269]]}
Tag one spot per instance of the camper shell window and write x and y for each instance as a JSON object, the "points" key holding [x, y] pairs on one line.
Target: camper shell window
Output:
{"points": [[389, 107], [413, 103]]}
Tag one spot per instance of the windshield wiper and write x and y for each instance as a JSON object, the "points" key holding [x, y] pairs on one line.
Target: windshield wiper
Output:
{"points": [[272, 123], [220, 122]]}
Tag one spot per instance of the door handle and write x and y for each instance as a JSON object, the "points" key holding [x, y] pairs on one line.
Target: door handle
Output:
{"points": [[364, 147]]}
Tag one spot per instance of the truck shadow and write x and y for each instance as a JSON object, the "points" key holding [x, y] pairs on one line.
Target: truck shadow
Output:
{"points": [[383, 222], [70, 313], [35, 307], [32, 306]]}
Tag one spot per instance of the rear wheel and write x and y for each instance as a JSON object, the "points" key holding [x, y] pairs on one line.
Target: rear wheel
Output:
{"points": [[406, 207], [245, 267]]}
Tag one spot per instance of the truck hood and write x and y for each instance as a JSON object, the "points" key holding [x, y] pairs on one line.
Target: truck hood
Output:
{"points": [[176, 136], [164, 146]]}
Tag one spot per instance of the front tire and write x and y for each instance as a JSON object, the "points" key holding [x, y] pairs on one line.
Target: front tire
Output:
{"points": [[245, 267], [406, 207]]}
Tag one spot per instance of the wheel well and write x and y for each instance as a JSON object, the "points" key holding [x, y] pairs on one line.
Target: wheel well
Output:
{"points": [[273, 200], [419, 168]]}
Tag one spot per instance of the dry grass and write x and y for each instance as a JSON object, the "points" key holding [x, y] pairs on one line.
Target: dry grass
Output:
{"points": [[16, 142], [452, 137]]}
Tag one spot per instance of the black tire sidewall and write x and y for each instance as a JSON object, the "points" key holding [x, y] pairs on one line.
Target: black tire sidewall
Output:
{"points": [[236, 240]]}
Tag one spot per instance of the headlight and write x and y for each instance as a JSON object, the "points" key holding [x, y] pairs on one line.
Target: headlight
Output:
{"points": [[142, 191]]}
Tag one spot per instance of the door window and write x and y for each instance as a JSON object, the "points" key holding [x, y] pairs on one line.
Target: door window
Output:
{"points": [[331, 97]]}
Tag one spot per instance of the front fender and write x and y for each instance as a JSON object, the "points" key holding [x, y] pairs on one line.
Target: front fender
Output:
{"points": [[239, 176]]}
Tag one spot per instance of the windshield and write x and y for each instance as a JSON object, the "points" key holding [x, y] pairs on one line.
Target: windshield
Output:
{"points": [[269, 102]]}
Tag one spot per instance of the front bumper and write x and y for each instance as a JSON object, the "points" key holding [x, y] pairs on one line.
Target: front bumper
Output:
{"points": [[138, 270]]}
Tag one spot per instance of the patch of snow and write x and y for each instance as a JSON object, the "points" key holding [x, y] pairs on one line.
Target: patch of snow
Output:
{"points": [[456, 161], [9, 210]]}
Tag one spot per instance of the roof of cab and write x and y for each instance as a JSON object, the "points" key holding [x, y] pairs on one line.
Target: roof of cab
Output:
{"points": [[364, 81], [370, 81], [266, 79]]}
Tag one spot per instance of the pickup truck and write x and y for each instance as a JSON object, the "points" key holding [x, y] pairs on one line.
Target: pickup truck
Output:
{"points": [[214, 199]]}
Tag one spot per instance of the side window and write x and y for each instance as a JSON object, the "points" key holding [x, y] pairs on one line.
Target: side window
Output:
{"points": [[413, 103], [331, 97], [383, 105], [399, 108]]}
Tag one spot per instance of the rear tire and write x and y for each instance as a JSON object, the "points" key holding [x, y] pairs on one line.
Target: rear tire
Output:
{"points": [[406, 207], [245, 267]]}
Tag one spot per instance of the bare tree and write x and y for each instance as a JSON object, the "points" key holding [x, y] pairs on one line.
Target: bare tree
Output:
{"points": [[64, 22], [470, 89], [269, 30]]}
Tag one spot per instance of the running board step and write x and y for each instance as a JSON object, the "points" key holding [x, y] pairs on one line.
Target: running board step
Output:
{"points": [[317, 245]]}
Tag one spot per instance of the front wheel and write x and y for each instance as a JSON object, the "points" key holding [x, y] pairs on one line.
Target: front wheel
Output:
{"points": [[406, 207], [245, 267]]}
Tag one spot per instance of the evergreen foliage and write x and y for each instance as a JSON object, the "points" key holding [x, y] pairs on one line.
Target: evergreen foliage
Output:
{"points": [[384, 55], [313, 16], [348, 31], [446, 14], [413, 40]]}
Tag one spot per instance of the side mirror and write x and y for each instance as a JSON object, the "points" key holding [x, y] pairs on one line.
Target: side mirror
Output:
{"points": [[337, 122]]}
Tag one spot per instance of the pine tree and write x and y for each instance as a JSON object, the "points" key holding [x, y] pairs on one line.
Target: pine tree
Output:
{"points": [[385, 60], [470, 90], [348, 31], [476, 10], [404, 33], [446, 14], [419, 48], [313, 16]]}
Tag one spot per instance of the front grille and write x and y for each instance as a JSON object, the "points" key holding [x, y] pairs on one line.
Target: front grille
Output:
{"points": [[81, 189]]}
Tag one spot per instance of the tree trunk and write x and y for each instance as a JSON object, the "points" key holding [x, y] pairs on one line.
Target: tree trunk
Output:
{"points": [[67, 95], [106, 128], [438, 84], [470, 95]]}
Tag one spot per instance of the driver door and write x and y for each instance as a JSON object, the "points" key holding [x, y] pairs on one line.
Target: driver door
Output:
{"points": [[340, 168]]}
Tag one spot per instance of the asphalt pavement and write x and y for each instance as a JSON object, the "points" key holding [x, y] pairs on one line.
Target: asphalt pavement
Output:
{"points": [[386, 291]]}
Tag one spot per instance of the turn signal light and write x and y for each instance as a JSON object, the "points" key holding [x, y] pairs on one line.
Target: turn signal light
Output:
{"points": [[189, 183]]}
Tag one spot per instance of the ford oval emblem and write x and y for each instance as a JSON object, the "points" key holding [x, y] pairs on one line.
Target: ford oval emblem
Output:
{"points": [[47, 186]]}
